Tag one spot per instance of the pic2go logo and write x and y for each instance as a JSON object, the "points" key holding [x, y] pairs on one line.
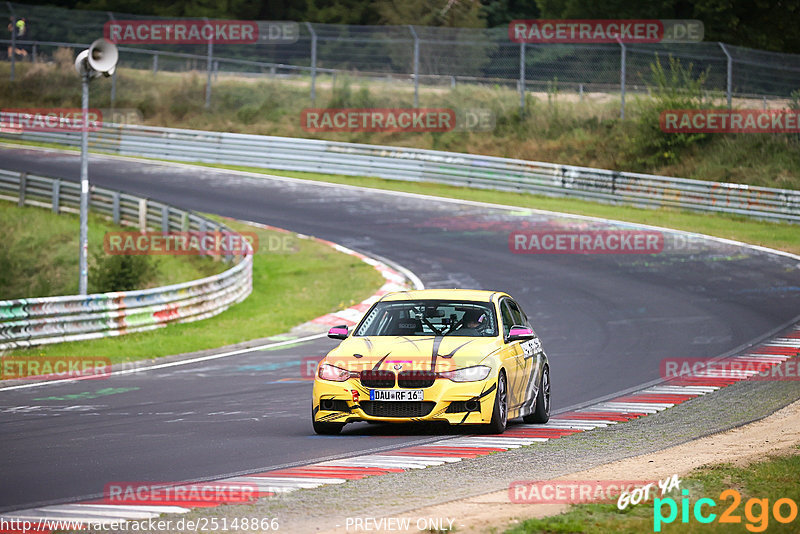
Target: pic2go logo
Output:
{"points": [[756, 511]]}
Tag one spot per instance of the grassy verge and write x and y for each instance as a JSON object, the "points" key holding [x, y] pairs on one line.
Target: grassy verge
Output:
{"points": [[559, 125], [34, 263], [772, 479], [290, 286]]}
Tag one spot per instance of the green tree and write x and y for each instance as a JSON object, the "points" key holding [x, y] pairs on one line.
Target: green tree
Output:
{"points": [[450, 13], [764, 24], [501, 12], [341, 12]]}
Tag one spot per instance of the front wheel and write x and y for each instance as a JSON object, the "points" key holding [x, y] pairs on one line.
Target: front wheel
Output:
{"points": [[328, 429], [541, 413], [500, 411]]}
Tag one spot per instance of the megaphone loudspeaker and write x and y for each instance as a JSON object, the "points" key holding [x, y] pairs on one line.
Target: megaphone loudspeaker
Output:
{"points": [[80, 63], [102, 56]]}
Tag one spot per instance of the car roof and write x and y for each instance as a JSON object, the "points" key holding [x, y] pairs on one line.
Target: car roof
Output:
{"points": [[475, 295]]}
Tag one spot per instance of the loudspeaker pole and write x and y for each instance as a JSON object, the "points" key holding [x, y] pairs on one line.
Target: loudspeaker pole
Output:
{"points": [[84, 245], [99, 60]]}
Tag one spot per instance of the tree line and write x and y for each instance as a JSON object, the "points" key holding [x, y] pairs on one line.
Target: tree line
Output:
{"points": [[764, 24]]}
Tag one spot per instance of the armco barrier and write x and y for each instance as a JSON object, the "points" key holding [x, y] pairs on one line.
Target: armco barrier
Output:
{"points": [[39, 321], [396, 163]]}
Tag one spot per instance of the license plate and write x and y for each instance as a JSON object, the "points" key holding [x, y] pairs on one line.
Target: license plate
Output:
{"points": [[396, 394]]}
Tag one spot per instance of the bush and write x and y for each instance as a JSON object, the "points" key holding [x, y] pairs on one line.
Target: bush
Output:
{"points": [[650, 146], [248, 113], [344, 97], [121, 273]]}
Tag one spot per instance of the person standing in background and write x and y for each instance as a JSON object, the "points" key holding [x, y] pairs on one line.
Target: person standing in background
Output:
{"points": [[18, 29]]}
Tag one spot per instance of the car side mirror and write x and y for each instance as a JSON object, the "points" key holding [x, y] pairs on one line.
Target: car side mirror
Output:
{"points": [[519, 333], [338, 332]]}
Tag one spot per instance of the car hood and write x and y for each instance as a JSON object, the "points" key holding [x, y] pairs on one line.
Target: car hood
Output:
{"points": [[423, 353]]}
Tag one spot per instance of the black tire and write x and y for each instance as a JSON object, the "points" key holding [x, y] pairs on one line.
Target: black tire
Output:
{"points": [[500, 410], [326, 429], [541, 413]]}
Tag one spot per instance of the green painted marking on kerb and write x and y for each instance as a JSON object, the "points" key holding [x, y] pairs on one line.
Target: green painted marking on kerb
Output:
{"points": [[281, 337], [88, 394]]}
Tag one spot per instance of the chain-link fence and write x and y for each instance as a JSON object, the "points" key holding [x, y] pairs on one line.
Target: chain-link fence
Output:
{"points": [[425, 55]]}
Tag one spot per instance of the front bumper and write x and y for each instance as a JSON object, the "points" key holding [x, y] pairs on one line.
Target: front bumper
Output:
{"points": [[458, 403]]}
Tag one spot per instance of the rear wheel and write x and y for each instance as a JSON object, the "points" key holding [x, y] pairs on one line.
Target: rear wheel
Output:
{"points": [[500, 412], [321, 427], [541, 413]]}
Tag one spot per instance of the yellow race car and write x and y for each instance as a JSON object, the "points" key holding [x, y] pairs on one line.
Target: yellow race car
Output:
{"points": [[467, 357]]}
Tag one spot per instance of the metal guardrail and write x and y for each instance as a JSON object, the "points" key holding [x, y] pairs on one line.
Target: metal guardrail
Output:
{"points": [[396, 163], [38, 321]]}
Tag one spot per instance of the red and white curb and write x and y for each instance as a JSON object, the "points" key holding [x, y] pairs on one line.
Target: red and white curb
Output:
{"points": [[611, 412]]}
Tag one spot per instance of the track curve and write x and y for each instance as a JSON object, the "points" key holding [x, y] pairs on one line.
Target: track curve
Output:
{"points": [[606, 321]]}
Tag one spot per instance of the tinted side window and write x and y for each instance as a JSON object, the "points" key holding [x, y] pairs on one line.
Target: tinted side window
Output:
{"points": [[517, 314], [508, 318]]}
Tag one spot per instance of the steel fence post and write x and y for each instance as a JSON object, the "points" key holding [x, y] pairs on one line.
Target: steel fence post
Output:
{"points": [[164, 219], [622, 76], [113, 74], [23, 185], [113, 88], [416, 65], [143, 215], [209, 68], [729, 84], [313, 63], [522, 79], [56, 196], [13, 39], [115, 211]]}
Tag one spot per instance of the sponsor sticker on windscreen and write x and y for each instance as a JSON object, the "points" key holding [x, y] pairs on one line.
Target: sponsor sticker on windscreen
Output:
{"points": [[396, 394]]}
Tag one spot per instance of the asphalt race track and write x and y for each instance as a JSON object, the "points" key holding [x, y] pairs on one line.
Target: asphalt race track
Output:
{"points": [[606, 320]]}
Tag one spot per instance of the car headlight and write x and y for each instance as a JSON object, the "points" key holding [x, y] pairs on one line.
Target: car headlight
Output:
{"points": [[331, 372], [468, 374]]}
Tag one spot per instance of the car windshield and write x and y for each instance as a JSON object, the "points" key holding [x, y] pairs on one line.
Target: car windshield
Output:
{"points": [[430, 318]]}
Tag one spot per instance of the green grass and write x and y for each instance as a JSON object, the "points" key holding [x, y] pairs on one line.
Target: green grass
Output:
{"points": [[34, 263], [773, 478], [289, 288], [558, 127]]}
